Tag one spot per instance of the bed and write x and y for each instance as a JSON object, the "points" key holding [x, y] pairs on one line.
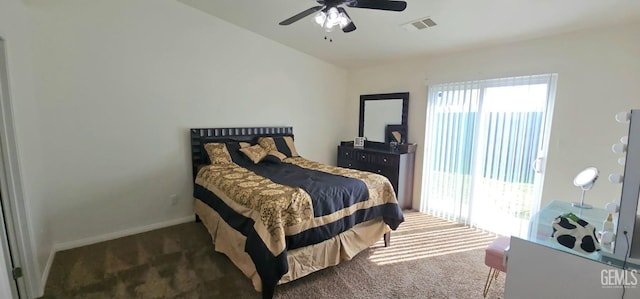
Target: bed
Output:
{"points": [[279, 216]]}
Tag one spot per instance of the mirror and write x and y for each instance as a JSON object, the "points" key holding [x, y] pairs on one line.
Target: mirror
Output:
{"points": [[383, 117], [585, 180]]}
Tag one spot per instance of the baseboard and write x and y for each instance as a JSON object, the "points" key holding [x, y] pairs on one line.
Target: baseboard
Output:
{"points": [[45, 272], [122, 233]]}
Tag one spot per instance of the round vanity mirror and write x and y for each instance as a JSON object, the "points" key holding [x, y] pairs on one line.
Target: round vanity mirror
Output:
{"points": [[585, 180]]}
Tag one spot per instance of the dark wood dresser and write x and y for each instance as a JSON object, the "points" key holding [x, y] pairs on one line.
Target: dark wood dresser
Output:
{"points": [[376, 157]]}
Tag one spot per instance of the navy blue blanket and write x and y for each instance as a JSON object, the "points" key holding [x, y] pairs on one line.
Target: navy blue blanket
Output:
{"points": [[329, 193]]}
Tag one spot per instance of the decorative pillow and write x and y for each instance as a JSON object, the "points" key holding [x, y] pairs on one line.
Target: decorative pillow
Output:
{"points": [[255, 153], [218, 153], [283, 145], [275, 157], [277, 154]]}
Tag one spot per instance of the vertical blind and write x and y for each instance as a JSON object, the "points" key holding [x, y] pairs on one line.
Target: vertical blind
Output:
{"points": [[481, 140]]}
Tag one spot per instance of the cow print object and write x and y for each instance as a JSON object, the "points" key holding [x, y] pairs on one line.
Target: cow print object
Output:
{"points": [[578, 235]]}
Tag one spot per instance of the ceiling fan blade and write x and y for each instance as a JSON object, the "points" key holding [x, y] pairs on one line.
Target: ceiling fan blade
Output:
{"points": [[351, 26], [301, 15], [379, 4]]}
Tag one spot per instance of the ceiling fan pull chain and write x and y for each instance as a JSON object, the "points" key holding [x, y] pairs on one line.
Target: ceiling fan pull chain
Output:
{"points": [[327, 36]]}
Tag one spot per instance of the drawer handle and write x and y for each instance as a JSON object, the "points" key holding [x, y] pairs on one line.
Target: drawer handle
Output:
{"points": [[362, 156], [349, 164], [346, 154], [384, 160], [379, 171]]}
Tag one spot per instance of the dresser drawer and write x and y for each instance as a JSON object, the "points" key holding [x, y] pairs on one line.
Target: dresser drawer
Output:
{"points": [[363, 165], [362, 156], [388, 171], [381, 159], [346, 153], [348, 163], [384, 159]]}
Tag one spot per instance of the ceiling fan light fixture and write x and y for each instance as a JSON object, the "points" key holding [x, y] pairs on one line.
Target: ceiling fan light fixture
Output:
{"points": [[320, 18], [343, 20], [333, 13], [328, 27], [332, 19]]}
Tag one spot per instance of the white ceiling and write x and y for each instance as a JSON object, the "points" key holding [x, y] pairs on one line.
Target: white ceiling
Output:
{"points": [[462, 24]]}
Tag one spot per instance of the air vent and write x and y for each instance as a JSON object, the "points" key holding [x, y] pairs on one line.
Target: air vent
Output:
{"points": [[419, 24]]}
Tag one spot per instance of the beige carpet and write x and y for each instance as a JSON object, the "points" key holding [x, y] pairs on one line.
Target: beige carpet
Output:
{"points": [[428, 258]]}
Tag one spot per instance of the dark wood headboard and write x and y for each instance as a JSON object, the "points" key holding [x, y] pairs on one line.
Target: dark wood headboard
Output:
{"points": [[201, 136]]}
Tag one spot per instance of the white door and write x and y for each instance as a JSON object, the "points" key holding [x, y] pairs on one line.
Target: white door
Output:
{"points": [[8, 286], [485, 148], [8, 246]]}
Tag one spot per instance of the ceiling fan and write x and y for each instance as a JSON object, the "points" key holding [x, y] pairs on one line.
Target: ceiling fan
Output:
{"points": [[331, 15]]}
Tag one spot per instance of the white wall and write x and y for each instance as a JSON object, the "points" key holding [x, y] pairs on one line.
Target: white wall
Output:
{"points": [[15, 29], [118, 85], [598, 74]]}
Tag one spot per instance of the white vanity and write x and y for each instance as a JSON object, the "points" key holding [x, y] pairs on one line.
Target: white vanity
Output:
{"points": [[539, 267]]}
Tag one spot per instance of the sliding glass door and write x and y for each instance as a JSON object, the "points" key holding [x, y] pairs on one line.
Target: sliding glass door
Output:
{"points": [[485, 148]]}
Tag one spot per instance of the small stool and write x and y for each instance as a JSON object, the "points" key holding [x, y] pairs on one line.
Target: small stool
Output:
{"points": [[496, 258]]}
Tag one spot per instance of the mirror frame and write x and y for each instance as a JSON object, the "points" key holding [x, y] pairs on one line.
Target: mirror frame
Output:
{"points": [[593, 177], [404, 96]]}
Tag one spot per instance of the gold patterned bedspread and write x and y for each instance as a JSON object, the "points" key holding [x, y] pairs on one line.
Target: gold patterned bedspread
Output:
{"points": [[280, 210]]}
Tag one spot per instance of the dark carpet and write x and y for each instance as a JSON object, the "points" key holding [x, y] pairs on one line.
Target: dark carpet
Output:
{"points": [[428, 258]]}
